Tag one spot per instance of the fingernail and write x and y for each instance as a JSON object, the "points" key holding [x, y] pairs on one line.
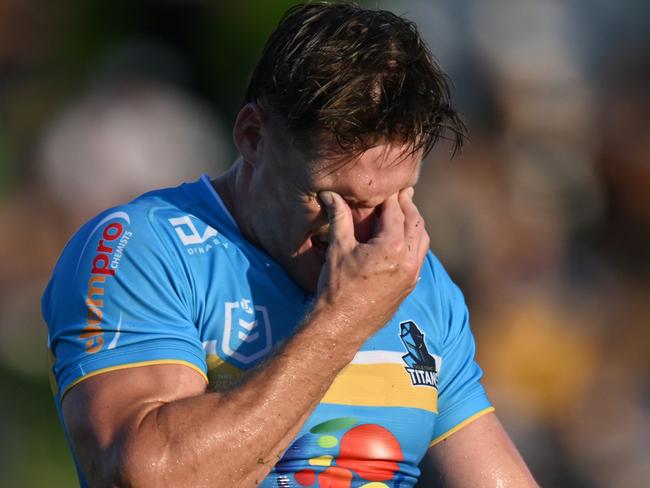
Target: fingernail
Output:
{"points": [[410, 192], [327, 198]]}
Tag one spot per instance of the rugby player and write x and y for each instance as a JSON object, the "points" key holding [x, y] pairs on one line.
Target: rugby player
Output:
{"points": [[284, 324]]}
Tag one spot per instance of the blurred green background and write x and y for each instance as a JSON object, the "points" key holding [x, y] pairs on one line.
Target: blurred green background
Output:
{"points": [[543, 219]]}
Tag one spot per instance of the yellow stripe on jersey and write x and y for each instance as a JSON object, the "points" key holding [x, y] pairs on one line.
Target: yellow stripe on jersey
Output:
{"points": [[221, 375], [138, 364], [456, 428], [380, 385]]}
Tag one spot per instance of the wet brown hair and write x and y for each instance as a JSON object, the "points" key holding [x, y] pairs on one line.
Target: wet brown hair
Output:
{"points": [[357, 75]]}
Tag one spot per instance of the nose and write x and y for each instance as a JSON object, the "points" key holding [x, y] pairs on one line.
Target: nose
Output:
{"points": [[364, 223]]}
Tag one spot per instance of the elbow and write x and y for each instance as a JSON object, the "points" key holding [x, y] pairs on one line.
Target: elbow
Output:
{"points": [[129, 463], [138, 463]]}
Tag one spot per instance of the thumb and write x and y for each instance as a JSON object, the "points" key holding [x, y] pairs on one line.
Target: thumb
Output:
{"points": [[340, 219]]}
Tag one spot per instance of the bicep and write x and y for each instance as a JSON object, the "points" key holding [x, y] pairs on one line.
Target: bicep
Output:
{"points": [[102, 410], [480, 454]]}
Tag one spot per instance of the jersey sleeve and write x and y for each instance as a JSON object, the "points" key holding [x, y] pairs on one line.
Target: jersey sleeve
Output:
{"points": [[461, 397], [118, 298]]}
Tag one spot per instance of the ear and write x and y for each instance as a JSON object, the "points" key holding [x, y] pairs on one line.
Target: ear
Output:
{"points": [[248, 132]]}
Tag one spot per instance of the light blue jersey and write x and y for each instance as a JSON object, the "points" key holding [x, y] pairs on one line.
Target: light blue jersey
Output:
{"points": [[168, 278]]}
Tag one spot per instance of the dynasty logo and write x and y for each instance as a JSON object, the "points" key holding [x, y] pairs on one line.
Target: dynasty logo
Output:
{"points": [[421, 366]]}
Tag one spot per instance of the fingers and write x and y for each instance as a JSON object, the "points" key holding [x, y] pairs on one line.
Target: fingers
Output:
{"points": [[340, 220], [415, 234], [390, 224], [413, 221], [399, 223]]}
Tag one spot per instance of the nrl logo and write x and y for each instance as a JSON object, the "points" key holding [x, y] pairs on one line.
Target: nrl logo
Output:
{"points": [[247, 331], [421, 366]]}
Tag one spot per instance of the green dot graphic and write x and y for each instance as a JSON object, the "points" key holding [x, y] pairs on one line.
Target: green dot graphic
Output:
{"points": [[334, 425], [327, 441]]}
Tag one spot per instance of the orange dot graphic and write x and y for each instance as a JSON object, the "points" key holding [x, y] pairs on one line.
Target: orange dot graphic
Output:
{"points": [[335, 477], [305, 477]]}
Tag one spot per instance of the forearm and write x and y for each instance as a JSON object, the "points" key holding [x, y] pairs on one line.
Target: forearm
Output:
{"points": [[254, 422], [254, 477]]}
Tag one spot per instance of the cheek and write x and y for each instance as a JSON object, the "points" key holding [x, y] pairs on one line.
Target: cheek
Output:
{"points": [[285, 216], [297, 221], [309, 214]]}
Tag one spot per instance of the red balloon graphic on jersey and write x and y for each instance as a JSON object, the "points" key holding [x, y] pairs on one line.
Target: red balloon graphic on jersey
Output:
{"points": [[371, 451]]}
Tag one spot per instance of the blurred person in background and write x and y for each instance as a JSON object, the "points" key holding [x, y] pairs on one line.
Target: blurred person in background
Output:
{"points": [[285, 322], [134, 129]]}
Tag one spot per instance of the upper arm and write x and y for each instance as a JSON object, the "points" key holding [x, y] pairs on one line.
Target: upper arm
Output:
{"points": [[480, 454], [103, 412]]}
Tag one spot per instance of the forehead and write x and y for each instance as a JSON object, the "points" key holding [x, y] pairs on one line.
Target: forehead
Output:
{"points": [[372, 177]]}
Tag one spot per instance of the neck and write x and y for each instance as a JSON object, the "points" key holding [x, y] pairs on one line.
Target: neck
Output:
{"points": [[232, 186]]}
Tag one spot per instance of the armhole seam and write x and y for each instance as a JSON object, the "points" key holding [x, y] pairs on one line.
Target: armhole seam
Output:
{"points": [[136, 364], [459, 426]]}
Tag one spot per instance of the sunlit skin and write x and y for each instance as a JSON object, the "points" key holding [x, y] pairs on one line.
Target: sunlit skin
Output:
{"points": [[283, 213], [160, 425]]}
